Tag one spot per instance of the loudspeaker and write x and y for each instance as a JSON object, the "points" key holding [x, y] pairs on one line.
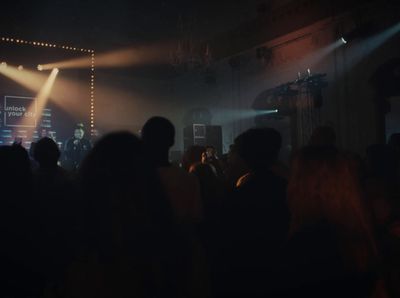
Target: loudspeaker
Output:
{"points": [[203, 135], [194, 134], [214, 138]]}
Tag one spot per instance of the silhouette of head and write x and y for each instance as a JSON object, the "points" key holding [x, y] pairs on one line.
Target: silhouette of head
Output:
{"points": [[158, 132], [116, 179], [116, 158], [258, 147], [15, 167], [46, 152]]}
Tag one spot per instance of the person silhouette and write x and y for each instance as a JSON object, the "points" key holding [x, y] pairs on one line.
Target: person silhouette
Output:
{"points": [[158, 136], [76, 148]]}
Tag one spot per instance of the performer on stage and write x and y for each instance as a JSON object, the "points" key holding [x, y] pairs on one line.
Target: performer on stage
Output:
{"points": [[76, 148]]}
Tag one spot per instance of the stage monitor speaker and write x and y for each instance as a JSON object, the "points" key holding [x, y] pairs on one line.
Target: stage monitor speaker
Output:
{"points": [[203, 135], [214, 138]]}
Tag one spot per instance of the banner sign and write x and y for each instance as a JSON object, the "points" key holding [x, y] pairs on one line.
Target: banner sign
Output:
{"points": [[20, 111]]}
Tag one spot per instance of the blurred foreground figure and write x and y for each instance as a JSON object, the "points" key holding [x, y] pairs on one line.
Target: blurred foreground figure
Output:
{"points": [[20, 267], [331, 250], [254, 219], [158, 135], [128, 243], [183, 192]]}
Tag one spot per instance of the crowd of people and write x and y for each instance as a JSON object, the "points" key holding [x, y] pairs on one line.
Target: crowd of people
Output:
{"points": [[128, 223]]}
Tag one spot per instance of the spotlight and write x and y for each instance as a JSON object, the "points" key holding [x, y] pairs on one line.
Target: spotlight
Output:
{"points": [[268, 112], [361, 31], [20, 67], [40, 67]]}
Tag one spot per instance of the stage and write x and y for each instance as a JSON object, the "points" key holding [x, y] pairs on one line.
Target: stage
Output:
{"points": [[41, 94]]}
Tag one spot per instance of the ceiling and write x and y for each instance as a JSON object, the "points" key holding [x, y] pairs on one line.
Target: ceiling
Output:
{"points": [[108, 24]]}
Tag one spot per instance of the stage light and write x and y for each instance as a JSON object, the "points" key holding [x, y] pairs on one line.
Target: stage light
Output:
{"points": [[343, 40], [15, 72], [267, 112], [33, 80], [44, 93]]}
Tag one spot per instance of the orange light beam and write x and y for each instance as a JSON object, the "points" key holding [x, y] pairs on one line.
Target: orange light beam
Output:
{"points": [[120, 58], [44, 95], [29, 79]]}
